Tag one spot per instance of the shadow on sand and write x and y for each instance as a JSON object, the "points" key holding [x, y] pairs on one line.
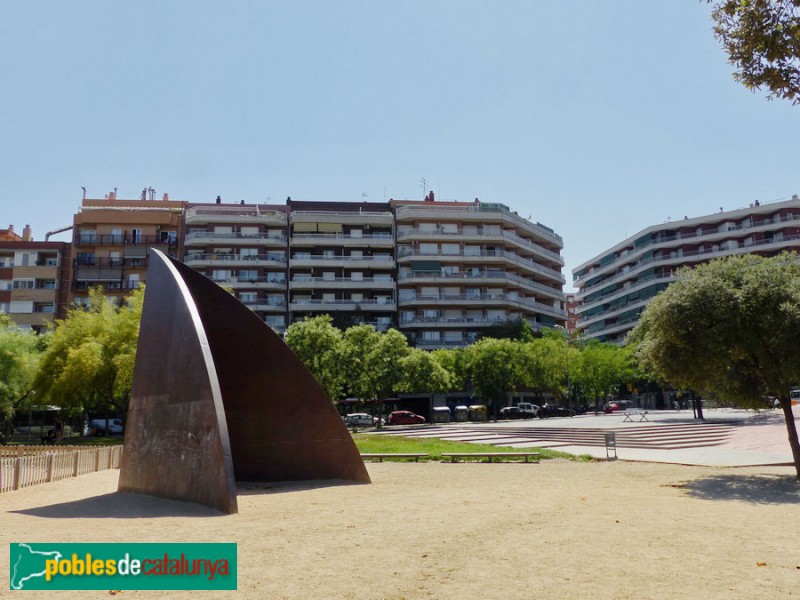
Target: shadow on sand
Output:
{"points": [[120, 505], [758, 489], [125, 505]]}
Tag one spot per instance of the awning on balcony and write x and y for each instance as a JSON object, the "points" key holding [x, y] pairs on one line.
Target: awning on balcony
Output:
{"points": [[429, 266], [329, 227], [304, 227]]}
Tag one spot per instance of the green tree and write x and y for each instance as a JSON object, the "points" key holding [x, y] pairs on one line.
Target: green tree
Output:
{"points": [[492, 366], [88, 363], [543, 364], [423, 373], [20, 352], [729, 328], [453, 360], [319, 345], [762, 39], [511, 329], [601, 367], [372, 362]]}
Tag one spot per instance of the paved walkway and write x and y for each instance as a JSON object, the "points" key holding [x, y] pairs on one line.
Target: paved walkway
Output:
{"points": [[727, 437]]}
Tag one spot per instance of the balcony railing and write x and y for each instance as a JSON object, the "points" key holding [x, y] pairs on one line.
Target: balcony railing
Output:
{"points": [[703, 234], [732, 247], [326, 237], [124, 239], [510, 256], [249, 259], [457, 211], [483, 235], [133, 263], [235, 236]]}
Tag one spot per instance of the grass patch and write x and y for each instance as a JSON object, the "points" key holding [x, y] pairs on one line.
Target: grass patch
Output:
{"points": [[380, 444]]}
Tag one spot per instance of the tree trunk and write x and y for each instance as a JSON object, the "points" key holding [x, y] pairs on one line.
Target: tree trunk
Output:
{"points": [[788, 415]]}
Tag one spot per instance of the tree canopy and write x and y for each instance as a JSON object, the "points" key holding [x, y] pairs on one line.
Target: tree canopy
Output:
{"points": [[729, 328], [20, 352], [319, 345], [88, 363], [762, 39]]}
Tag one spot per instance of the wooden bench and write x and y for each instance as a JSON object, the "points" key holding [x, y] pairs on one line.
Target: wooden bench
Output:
{"points": [[380, 457], [629, 414], [453, 456]]}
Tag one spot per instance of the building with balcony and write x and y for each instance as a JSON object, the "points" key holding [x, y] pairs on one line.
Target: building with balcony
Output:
{"points": [[34, 283], [342, 262], [243, 247], [464, 266], [615, 286], [111, 241]]}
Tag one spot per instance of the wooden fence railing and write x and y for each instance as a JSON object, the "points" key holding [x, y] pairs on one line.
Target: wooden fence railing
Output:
{"points": [[24, 466]]}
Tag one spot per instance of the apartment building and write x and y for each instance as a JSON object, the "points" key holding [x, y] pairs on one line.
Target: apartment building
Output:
{"points": [[342, 262], [33, 289], [111, 240], [463, 266], [243, 247], [615, 286]]}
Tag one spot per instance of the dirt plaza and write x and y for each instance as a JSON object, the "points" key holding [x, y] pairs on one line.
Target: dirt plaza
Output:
{"points": [[558, 529]]}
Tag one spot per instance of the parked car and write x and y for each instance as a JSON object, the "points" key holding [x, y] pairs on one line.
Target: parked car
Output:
{"points": [[405, 417], [511, 412], [528, 410], [616, 405], [551, 410], [98, 426], [360, 420]]}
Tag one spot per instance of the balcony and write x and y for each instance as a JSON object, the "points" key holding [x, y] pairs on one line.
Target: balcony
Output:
{"points": [[484, 300], [232, 260], [343, 218], [405, 254], [127, 239], [203, 238], [241, 215], [450, 322], [265, 305], [369, 240], [350, 262], [264, 282], [483, 277], [480, 213], [484, 237], [316, 283], [342, 305]]}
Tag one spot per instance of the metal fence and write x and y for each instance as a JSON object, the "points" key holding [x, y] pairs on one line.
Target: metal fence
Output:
{"points": [[24, 466]]}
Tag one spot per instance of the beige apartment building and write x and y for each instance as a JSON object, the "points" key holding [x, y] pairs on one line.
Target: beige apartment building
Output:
{"points": [[342, 262], [244, 248], [111, 241], [465, 266], [33, 288]]}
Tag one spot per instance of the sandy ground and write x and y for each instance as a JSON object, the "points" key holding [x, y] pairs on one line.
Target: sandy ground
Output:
{"points": [[553, 530]]}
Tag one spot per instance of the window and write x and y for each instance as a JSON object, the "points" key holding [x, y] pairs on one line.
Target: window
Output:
{"points": [[248, 275], [429, 249], [221, 274], [24, 284], [275, 320], [116, 236], [133, 281], [450, 249], [275, 300], [248, 297]]}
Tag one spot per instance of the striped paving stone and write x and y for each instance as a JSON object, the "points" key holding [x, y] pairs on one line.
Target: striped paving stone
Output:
{"points": [[656, 436]]}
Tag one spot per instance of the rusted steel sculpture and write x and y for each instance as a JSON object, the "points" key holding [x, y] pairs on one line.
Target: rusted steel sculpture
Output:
{"points": [[219, 397]]}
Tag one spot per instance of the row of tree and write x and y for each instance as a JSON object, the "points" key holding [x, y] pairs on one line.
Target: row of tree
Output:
{"points": [[85, 364], [363, 363]]}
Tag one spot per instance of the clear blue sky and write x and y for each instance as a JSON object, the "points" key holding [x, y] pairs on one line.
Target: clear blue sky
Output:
{"points": [[598, 118]]}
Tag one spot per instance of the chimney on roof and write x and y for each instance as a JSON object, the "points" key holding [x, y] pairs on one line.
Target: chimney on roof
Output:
{"points": [[218, 200], [11, 228], [112, 195], [166, 198], [477, 201], [27, 234]]}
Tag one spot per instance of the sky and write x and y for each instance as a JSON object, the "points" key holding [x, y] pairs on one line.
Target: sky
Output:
{"points": [[596, 118]]}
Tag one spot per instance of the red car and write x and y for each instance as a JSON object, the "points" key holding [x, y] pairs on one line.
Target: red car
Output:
{"points": [[405, 417]]}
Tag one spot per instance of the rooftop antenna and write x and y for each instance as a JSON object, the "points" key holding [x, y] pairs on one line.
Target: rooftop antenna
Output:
{"points": [[84, 192], [423, 183], [363, 196]]}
